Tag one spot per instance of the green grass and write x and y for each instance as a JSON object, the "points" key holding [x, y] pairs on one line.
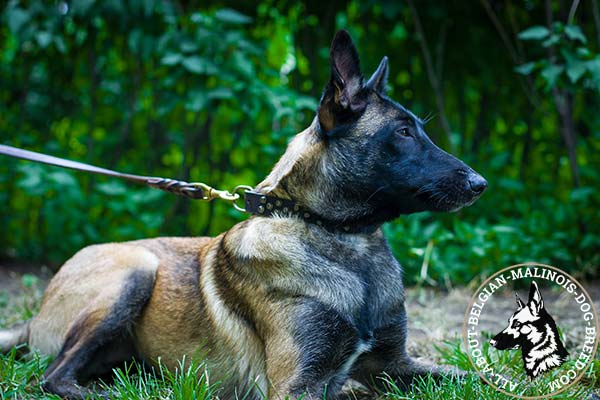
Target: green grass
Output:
{"points": [[20, 376], [20, 379]]}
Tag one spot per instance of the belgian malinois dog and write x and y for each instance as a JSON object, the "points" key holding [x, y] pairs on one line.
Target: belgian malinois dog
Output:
{"points": [[281, 305]]}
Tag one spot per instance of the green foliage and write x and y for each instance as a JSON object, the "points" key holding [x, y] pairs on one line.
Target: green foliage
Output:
{"points": [[203, 92], [574, 61], [145, 90]]}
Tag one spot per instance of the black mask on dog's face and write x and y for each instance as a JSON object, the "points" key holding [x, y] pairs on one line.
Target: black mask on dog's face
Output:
{"points": [[380, 149]]}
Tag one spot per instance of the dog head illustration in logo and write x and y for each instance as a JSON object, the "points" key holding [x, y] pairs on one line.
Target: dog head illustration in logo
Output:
{"points": [[534, 331]]}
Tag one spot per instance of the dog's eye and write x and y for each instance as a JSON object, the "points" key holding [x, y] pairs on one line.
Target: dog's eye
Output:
{"points": [[403, 132]]}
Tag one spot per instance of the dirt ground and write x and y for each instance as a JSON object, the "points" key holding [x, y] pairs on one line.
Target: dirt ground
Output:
{"points": [[433, 315]]}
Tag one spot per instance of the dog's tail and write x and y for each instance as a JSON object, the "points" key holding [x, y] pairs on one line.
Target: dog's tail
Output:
{"points": [[11, 337]]}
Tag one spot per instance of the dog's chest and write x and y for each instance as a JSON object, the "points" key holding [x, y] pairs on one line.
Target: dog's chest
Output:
{"points": [[353, 274], [367, 280]]}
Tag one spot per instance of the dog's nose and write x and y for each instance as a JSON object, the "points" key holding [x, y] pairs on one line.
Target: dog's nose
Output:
{"points": [[493, 342], [477, 183]]}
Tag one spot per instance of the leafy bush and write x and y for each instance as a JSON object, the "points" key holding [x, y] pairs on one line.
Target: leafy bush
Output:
{"points": [[203, 92]]}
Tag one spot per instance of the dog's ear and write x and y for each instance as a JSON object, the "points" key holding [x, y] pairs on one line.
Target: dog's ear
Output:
{"points": [[341, 99], [535, 303], [378, 80], [520, 303]]}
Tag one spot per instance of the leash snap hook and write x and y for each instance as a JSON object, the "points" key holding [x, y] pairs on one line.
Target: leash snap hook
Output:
{"points": [[210, 193], [235, 191]]}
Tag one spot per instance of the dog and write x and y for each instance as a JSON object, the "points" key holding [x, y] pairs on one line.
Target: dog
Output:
{"points": [[281, 305], [534, 331]]}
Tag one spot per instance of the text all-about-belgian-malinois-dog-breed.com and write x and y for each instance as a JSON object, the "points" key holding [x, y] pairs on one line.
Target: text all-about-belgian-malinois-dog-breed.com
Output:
{"points": [[282, 305]]}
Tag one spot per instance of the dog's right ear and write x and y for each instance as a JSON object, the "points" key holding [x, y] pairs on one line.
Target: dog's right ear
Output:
{"points": [[342, 98], [378, 80], [520, 303], [535, 303]]}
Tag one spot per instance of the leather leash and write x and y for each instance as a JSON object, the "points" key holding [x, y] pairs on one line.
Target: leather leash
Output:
{"points": [[254, 202], [194, 190]]}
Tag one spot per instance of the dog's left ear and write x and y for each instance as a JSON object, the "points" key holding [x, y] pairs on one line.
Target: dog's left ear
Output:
{"points": [[378, 80], [341, 100], [535, 303]]}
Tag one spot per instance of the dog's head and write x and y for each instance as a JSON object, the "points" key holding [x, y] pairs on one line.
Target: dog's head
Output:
{"points": [[527, 324], [366, 157]]}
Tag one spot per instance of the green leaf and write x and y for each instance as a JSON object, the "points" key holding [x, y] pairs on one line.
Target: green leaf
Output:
{"points": [[171, 59], [551, 41], [575, 70], [220, 93], [583, 52], [187, 46], [197, 100], [478, 250], [199, 65], [33, 181], [537, 32], [399, 32], [29, 280], [242, 64], [113, 188], [581, 194], [59, 42], [81, 7], [525, 69], [594, 67], [43, 38], [16, 18], [551, 74], [134, 40], [199, 18], [231, 16], [151, 220], [62, 179], [574, 32], [504, 229]]}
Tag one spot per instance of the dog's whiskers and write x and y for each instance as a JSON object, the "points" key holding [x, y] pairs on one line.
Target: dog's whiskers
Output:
{"points": [[375, 192], [423, 189], [430, 115]]}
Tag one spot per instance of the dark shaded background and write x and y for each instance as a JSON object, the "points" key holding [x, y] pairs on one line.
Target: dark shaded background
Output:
{"points": [[212, 91]]}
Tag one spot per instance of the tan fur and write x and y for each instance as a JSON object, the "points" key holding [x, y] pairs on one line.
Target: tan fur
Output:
{"points": [[14, 336], [90, 280]]}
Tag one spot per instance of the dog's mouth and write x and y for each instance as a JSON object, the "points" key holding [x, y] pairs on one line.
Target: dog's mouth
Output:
{"points": [[448, 200], [451, 194], [458, 206]]}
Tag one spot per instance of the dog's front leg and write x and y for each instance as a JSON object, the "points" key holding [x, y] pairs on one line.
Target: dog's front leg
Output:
{"points": [[310, 357], [388, 360]]}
